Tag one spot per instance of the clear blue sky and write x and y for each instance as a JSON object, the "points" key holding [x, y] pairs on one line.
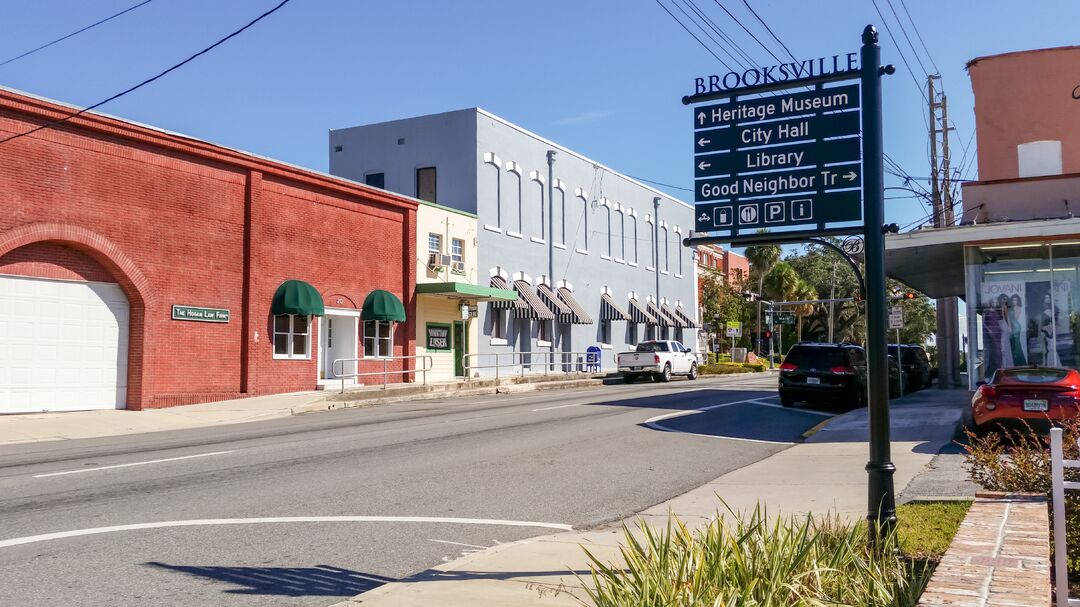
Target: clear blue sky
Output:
{"points": [[602, 77]]}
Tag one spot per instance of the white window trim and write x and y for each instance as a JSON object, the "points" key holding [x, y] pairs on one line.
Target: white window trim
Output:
{"points": [[363, 339], [559, 245], [617, 260], [557, 184], [580, 193], [513, 234], [498, 341], [607, 257], [632, 264], [290, 355], [582, 251], [543, 343], [492, 228], [677, 275], [538, 240]]}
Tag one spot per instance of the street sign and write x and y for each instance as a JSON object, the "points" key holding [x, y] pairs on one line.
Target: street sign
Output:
{"points": [[774, 133], [780, 106], [811, 179], [733, 329], [785, 318], [896, 317], [791, 156], [780, 211]]}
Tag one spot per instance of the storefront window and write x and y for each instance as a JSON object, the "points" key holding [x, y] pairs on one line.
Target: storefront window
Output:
{"points": [[377, 339], [291, 336]]}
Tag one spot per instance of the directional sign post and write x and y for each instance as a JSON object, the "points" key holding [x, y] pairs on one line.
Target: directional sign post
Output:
{"points": [[811, 155]]}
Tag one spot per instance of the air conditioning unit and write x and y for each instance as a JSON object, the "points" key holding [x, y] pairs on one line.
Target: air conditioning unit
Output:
{"points": [[459, 266], [445, 260]]}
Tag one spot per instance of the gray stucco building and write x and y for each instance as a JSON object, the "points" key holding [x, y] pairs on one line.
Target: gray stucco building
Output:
{"points": [[595, 256]]}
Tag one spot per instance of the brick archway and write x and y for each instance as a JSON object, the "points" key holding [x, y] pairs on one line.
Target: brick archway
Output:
{"points": [[132, 281]]}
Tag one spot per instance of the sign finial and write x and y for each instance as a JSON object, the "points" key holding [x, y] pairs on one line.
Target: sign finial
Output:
{"points": [[870, 35]]}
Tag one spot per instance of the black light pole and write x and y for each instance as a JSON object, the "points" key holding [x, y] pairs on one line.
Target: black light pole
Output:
{"points": [[881, 500]]}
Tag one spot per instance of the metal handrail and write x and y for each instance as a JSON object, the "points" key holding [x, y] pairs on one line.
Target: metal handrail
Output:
{"points": [[1059, 485], [429, 364], [546, 358]]}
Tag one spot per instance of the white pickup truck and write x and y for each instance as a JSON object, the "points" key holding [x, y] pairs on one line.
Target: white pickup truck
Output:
{"points": [[659, 360]]}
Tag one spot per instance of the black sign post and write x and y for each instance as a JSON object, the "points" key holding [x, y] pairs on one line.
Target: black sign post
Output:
{"points": [[793, 159]]}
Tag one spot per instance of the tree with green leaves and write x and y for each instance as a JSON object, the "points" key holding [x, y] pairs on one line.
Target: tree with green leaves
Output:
{"points": [[762, 258], [721, 302], [806, 293]]}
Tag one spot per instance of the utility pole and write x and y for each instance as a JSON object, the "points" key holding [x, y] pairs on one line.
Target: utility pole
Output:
{"points": [[943, 216]]}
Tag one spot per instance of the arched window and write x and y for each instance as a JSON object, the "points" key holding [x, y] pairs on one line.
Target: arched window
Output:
{"points": [[607, 205], [538, 179], [622, 232], [678, 250], [493, 161], [580, 194], [515, 169], [653, 259], [634, 235], [667, 248]]}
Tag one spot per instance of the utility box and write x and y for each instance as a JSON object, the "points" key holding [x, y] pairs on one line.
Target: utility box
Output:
{"points": [[738, 355]]}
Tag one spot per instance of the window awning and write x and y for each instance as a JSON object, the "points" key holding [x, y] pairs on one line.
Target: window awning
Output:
{"points": [[662, 320], [554, 304], [297, 297], [533, 308], [680, 312], [499, 283], [676, 321], [464, 290], [610, 311], [639, 314], [382, 305], [579, 315]]}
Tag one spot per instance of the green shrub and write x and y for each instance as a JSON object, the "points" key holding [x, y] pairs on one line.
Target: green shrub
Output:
{"points": [[726, 368], [758, 562], [1018, 460]]}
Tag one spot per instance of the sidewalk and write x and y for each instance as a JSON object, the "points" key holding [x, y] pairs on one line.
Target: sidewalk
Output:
{"points": [[36, 427], [821, 475]]}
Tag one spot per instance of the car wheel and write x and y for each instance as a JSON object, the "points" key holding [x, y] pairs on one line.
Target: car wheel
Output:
{"points": [[629, 378], [665, 376], [786, 401], [693, 373]]}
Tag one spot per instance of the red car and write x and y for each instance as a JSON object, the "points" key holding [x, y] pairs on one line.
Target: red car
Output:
{"points": [[1031, 393]]}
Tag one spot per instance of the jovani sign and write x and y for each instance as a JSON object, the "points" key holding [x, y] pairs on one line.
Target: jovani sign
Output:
{"points": [[784, 72]]}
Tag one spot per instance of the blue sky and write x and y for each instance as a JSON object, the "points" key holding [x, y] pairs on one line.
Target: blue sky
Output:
{"points": [[603, 77]]}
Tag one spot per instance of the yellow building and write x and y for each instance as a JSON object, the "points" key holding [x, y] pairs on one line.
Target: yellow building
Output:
{"points": [[448, 290]]}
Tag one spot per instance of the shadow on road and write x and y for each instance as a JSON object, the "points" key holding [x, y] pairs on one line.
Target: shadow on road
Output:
{"points": [[321, 580]]}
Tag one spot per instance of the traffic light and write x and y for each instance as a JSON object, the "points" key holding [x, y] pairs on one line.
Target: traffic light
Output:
{"points": [[909, 295], [766, 334]]}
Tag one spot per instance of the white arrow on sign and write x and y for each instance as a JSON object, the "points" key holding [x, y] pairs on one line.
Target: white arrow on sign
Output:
{"points": [[704, 217], [851, 176], [701, 117], [703, 142], [703, 165]]}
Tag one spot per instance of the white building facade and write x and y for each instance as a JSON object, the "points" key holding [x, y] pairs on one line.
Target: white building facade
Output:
{"points": [[595, 256]]}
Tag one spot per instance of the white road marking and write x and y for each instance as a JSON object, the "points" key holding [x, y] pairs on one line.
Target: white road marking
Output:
{"points": [[459, 544], [31, 539], [776, 406], [153, 461], [559, 407]]}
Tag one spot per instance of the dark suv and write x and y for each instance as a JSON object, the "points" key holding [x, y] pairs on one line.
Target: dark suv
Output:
{"points": [[916, 365], [821, 373]]}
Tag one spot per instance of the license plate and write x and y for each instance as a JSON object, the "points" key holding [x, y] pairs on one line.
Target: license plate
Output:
{"points": [[1035, 404], [813, 380]]}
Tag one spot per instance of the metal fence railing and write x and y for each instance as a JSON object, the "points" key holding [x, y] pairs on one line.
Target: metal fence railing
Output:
{"points": [[1058, 463], [339, 367], [533, 362]]}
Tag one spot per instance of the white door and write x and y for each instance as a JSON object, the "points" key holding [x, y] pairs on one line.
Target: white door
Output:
{"points": [[65, 345], [340, 336]]}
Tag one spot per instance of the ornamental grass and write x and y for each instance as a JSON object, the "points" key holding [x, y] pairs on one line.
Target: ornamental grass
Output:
{"points": [[755, 562]]}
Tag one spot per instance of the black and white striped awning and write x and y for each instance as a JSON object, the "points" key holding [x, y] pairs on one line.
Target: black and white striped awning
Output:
{"points": [[579, 315], [534, 308], [562, 312], [680, 312], [662, 320], [498, 282], [610, 311], [675, 319], [639, 314]]}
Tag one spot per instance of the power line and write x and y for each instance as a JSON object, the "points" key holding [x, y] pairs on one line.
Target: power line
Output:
{"points": [[719, 45], [916, 28], [745, 29], [75, 33], [903, 30], [903, 58], [148, 80], [660, 183], [693, 35], [768, 29], [731, 42]]}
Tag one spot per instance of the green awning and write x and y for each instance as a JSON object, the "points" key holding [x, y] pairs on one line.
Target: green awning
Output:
{"points": [[297, 297], [465, 290], [382, 305]]}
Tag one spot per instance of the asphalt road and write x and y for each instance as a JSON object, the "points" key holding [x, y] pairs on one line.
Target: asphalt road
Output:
{"points": [[576, 458]]}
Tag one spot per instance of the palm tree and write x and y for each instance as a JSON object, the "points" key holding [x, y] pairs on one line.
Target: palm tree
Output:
{"points": [[762, 258], [804, 292]]}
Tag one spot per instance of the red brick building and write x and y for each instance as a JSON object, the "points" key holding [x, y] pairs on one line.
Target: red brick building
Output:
{"points": [[113, 234]]}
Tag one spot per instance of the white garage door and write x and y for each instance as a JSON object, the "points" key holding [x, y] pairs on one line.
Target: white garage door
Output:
{"points": [[63, 345]]}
